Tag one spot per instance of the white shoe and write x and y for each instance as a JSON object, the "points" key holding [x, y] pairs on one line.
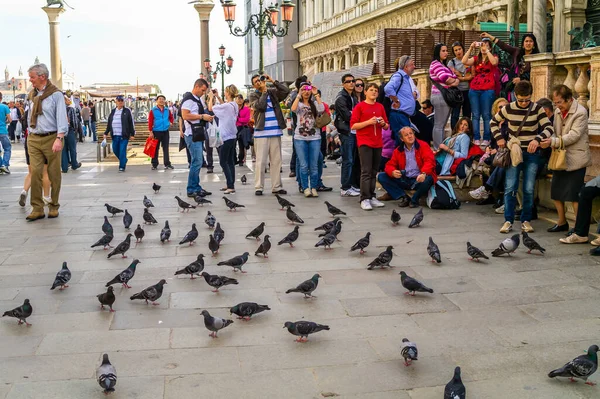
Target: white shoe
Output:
{"points": [[349, 193], [47, 200], [506, 228], [366, 205], [480, 193], [376, 203], [356, 190], [499, 210]]}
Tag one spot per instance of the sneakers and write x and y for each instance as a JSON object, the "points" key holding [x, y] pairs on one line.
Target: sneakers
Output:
{"points": [[376, 203], [209, 169], [506, 228], [403, 202], [314, 192], [349, 193], [230, 191], [169, 167], [23, 198], [480, 193], [307, 192], [477, 142], [47, 200], [366, 205], [526, 227], [292, 174], [121, 170], [4, 169], [324, 188], [500, 210], [154, 168], [575, 239], [485, 143]]}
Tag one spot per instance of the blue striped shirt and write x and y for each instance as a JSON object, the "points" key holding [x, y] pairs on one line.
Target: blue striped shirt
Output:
{"points": [[271, 125]]}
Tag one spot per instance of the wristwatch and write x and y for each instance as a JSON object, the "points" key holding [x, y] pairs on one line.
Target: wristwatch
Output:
{"points": [[60, 138]]}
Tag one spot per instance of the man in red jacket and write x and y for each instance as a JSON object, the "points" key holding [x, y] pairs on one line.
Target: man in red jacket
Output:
{"points": [[412, 167]]}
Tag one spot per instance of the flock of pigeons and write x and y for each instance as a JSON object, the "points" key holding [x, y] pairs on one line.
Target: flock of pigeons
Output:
{"points": [[581, 367]]}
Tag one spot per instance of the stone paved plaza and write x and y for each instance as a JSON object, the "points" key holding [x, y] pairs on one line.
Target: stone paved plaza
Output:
{"points": [[507, 321]]}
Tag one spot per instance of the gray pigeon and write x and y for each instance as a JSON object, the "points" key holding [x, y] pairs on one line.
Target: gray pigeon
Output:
{"points": [[433, 251], [125, 275], [417, 219], [106, 375], [184, 205], [148, 218], [455, 389], [156, 188], [243, 180], [293, 216], [283, 202], [475, 253], [107, 227], [214, 324], [333, 210], [257, 231], [327, 226], [127, 219], [22, 312], [139, 233], [232, 205], [246, 310], [335, 230], [219, 233], [104, 241], [191, 236], [395, 217], [362, 243], [122, 247], [107, 298], [264, 247], [409, 351], [291, 237], [303, 329], [307, 287], [195, 267], [112, 210], [201, 200], [152, 293], [326, 241], [413, 285], [531, 244], [147, 203], [236, 262], [62, 277], [581, 367], [213, 245], [507, 246], [165, 233], [383, 259], [218, 281], [210, 220]]}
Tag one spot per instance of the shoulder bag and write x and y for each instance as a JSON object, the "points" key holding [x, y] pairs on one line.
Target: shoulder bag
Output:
{"points": [[322, 120], [502, 158], [558, 159], [452, 95]]}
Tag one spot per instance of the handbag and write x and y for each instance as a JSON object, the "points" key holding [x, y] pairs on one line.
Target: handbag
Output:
{"points": [[150, 147], [558, 159], [198, 131], [502, 158], [322, 120], [452, 95]]}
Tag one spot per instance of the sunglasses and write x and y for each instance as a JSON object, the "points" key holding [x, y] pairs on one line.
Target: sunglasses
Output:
{"points": [[350, 81], [524, 100], [360, 85]]}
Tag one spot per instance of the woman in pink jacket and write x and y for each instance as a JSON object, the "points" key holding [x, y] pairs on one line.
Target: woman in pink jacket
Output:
{"points": [[242, 124]]}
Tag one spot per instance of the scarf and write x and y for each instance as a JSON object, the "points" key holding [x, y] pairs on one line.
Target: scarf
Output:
{"points": [[36, 109]]}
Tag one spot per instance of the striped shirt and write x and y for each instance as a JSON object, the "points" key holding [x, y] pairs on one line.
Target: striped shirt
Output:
{"points": [[271, 125], [536, 127], [439, 73]]}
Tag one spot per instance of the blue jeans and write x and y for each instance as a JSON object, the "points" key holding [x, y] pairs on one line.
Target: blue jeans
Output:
{"points": [[93, 128], [6, 147], [307, 154], [297, 169], [227, 161], [347, 150], [395, 187], [529, 167], [481, 107], [398, 120], [69, 151], [195, 148], [119, 147]]}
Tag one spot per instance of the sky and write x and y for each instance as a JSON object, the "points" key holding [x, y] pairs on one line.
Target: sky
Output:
{"points": [[117, 41]]}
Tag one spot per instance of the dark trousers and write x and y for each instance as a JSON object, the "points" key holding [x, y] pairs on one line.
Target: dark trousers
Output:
{"points": [[69, 152], [323, 144], [293, 159], [209, 154], [356, 168], [466, 110], [395, 187], [163, 141], [370, 158], [584, 213], [241, 150], [11, 129], [227, 161]]}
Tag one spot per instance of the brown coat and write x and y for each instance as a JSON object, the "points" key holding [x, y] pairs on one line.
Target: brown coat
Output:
{"points": [[574, 133]]}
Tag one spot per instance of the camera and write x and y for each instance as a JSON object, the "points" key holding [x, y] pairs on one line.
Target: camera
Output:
{"points": [[379, 120], [307, 87], [263, 78], [214, 91]]}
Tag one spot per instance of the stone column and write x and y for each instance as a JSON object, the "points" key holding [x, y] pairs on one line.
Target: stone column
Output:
{"points": [[466, 23], [559, 28], [529, 15], [540, 26], [55, 61], [336, 61], [501, 14], [204, 7], [542, 74], [348, 59], [512, 14], [362, 56]]}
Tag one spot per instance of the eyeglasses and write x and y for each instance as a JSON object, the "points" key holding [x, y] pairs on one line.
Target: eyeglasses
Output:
{"points": [[360, 85], [524, 100], [350, 81]]}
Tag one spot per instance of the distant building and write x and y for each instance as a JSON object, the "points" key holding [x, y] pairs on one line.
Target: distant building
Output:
{"points": [[21, 84], [111, 90]]}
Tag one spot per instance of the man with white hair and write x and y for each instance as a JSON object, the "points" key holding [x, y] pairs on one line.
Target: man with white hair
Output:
{"points": [[402, 95], [47, 124]]}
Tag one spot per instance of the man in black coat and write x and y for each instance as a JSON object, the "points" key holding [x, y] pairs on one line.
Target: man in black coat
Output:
{"points": [[121, 127]]}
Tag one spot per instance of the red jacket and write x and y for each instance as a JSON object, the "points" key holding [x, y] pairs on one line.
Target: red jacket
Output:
{"points": [[474, 150], [423, 155]]}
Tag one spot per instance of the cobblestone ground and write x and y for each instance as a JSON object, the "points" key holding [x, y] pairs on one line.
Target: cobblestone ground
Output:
{"points": [[507, 321]]}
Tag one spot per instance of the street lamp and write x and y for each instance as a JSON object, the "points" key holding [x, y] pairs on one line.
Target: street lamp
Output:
{"points": [[210, 78], [264, 24], [223, 67]]}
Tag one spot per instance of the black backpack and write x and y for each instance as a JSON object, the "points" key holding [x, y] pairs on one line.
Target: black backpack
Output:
{"points": [[441, 196]]}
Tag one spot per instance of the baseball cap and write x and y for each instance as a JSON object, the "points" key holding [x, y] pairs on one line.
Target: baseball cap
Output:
{"points": [[120, 97], [160, 95]]}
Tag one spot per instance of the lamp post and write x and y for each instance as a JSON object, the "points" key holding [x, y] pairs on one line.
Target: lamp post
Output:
{"points": [[210, 77], [223, 67], [264, 24]]}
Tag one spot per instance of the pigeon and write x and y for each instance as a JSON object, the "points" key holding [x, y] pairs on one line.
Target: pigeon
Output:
{"points": [[455, 389], [362, 243], [307, 287], [409, 351], [21, 313], [475, 253], [258, 230], [195, 267], [210, 220], [190, 236], [246, 310], [112, 210], [333, 210], [213, 245], [326, 241], [264, 247], [104, 241], [139, 234], [327, 226], [165, 233], [293, 216], [62, 278], [147, 203], [383, 259], [304, 329], [244, 180], [214, 324], [107, 227], [218, 281], [152, 293], [107, 298], [236, 262], [413, 285], [531, 244], [395, 217], [291, 237], [232, 205], [417, 219], [125, 275], [106, 375], [283, 202], [127, 219], [148, 218], [335, 230], [201, 200], [581, 367], [433, 251], [184, 205], [156, 188], [507, 246], [122, 247]]}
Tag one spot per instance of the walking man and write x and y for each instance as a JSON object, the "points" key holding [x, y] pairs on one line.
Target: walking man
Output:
{"points": [[69, 151], [4, 140], [121, 128], [15, 115], [47, 124], [93, 119], [159, 120]]}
